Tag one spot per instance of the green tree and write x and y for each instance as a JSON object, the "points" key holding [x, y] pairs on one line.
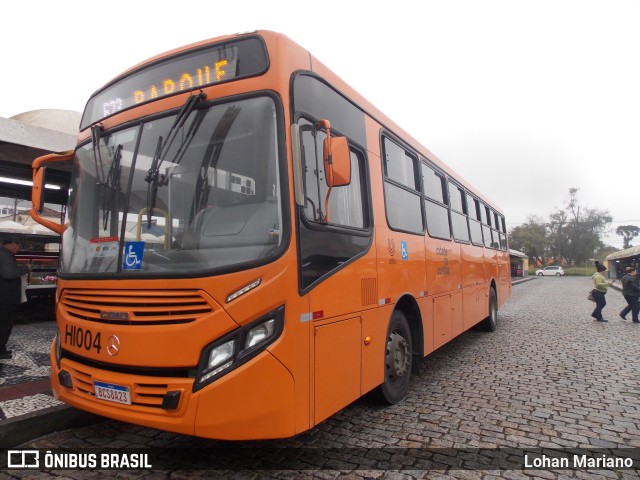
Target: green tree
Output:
{"points": [[573, 233], [583, 229], [628, 233], [557, 235], [530, 238]]}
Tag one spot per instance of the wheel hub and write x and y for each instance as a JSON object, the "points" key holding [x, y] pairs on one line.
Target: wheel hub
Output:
{"points": [[398, 355]]}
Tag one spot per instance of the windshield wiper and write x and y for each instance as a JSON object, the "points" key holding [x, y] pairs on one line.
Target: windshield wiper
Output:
{"points": [[111, 179], [153, 178], [96, 135], [112, 184]]}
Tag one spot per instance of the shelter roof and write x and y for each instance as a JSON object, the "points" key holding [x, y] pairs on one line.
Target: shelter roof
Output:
{"points": [[28, 135], [626, 253]]}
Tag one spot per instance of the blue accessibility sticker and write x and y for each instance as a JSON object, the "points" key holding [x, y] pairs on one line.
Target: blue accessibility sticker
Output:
{"points": [[404, 249], [132, 257]]}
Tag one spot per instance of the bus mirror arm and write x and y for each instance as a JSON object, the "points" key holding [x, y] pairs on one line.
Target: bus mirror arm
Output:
{"points": [[37, 193]]}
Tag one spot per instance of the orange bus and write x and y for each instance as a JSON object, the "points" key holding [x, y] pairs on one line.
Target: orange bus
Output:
{"points": [[249, 246]]}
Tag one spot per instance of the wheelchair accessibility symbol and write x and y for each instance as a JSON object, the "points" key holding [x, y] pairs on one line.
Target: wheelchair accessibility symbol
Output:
{"points": [[132, 257], [404, 250]]}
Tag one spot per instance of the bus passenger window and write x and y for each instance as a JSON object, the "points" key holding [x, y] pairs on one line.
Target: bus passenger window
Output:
{"points": [[458, 218], [503, 234], [433, 184], [486, 225], [475, 228], [401, 189], [400, 166], [435, 203]]}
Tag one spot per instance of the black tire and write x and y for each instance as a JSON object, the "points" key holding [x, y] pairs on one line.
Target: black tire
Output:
{"points": [[490, 323], [557, 274], [398, 360], [540, 274]]}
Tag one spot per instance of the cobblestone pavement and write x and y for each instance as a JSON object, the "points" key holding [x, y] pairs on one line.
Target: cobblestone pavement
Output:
{"points": [[549, 378], [28, 370]]}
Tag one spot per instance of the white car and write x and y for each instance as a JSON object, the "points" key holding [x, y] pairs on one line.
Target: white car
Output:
{"points": [[555, 270]]}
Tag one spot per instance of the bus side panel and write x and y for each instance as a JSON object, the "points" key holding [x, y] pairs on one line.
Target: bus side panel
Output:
{"points": [[504, 282], [400, 264], [491, 273], [400, 255], [457, 308], [426, 312], [443, 285], [472, 259], [346, 291], [454, 264], [443, 266], [337, 360], [374, 332], [441, 320]]}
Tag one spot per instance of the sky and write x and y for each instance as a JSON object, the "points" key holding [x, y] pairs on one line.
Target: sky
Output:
{"points": [[524, 99]]}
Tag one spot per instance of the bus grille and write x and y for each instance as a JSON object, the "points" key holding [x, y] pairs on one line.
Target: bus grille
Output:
{"points": [[135, 307], [142, 394]]}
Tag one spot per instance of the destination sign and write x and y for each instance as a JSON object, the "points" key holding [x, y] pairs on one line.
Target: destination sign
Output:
{"points": [[180, 73]]}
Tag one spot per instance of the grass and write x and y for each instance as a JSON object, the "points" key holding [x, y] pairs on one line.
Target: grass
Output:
{"points": [[572, 271]]}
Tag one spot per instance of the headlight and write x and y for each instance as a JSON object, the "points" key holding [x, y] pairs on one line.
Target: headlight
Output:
{"points": [[260, 333], [237, 348], [219, 359]]}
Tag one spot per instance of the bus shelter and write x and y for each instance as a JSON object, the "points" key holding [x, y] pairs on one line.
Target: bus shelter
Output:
{"points": [[618, 261], [519, 263], [25, 137]]}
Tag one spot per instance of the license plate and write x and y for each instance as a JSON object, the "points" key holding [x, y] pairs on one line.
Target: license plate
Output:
{"points": [[112, 393]]}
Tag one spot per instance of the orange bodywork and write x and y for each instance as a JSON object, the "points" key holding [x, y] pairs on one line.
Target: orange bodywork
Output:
{"points": [[332, 347]]}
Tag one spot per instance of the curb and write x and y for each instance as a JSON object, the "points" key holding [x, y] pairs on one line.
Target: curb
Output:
{"points": [[522, 280], [18, 430]]}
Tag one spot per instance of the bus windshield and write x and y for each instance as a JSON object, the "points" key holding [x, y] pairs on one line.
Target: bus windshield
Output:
{"points": [[171, 198]]}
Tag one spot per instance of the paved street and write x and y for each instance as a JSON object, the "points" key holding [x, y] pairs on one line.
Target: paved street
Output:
{"points": [[549, 379]]}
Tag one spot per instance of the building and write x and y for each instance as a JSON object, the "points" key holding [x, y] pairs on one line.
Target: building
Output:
{"points": [[519, 263], [618, 261], [23, 138]]}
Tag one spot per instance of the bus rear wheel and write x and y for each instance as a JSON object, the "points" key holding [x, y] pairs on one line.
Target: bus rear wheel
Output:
{"points": [[397, 361], [490, 323]]}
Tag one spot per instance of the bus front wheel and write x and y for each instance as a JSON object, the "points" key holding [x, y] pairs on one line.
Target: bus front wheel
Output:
{"points": [[397, 361]]}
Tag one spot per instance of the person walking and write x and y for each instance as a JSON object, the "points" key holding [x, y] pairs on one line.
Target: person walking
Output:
{"points": [[631, 292], [599, 291], [10, 291]]}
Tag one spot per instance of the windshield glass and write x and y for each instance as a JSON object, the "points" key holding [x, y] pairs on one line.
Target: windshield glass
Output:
{"points": [[211, 199]]}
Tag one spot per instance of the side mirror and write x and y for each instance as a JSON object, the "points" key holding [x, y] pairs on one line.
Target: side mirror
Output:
{"points": [[37, 192], [337, 163]]}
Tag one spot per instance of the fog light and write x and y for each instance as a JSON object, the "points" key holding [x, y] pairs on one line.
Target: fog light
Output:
{"points": [[171, 400], [64, 378]]}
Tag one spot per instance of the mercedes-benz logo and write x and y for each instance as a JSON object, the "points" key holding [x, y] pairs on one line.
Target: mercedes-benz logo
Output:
{"points": [[113, 345]]}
